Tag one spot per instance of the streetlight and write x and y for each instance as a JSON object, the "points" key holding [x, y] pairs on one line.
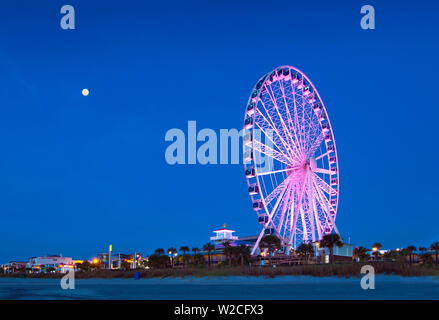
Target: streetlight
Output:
{"points": [[172, 258]]}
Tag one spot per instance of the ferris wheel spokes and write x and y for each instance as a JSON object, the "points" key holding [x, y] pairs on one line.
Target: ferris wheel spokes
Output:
{"points": [[268, 151], [260, 117], [292, 125], [298, 188], [277, 171], [270, 217], [276, 191], [327, 206], [291, 140]]}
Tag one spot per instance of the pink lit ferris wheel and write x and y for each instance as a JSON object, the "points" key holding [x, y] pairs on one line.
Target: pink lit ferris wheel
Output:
{"points": [[290, 159]]}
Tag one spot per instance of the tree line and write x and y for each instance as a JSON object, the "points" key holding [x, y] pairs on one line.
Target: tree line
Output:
{"points": [[362, 254]]}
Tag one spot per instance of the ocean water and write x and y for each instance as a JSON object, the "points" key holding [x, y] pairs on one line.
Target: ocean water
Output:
{"points": [[229, 288]]}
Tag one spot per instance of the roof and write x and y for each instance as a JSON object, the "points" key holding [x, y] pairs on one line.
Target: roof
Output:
{"points": [[224, 230]]}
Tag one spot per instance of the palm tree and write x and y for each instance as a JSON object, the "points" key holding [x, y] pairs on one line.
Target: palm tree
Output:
{"points": [[422, 249], [427, 259], [159, 251], [390, 255], [360, 253], [306, 250], [195, 250], [228, 251], [329, 241], [244, 253], [435, 248], [209, 248], [404, 253], [84, 266], [184, 249], [410, 250], [271, 243], [376, 249]]}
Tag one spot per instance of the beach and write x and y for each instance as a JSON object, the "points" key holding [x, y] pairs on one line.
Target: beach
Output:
{"points": [[228, 288]]}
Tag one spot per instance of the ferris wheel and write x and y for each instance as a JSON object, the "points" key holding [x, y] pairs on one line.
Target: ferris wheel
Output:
{"points": [[290, 159]]}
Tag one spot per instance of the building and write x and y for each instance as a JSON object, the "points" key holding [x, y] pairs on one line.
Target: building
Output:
{"points": [[343, 253], [121, 260], [50, 263], [226, 235], [13, 266], [223, 235]]}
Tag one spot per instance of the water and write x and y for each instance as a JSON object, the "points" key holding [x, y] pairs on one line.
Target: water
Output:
{"points": [[230, 288]]}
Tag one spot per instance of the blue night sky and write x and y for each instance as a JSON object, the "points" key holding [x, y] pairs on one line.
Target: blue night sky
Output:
{"points": [[78, 173]]}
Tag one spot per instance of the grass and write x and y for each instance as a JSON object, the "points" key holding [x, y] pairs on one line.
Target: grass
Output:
{"points": [[346, 270]]}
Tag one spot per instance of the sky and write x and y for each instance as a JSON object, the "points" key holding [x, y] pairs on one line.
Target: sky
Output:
{"points": [[79, 173]]}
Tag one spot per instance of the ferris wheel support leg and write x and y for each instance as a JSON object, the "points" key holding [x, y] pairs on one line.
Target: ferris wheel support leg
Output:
{"points": [[256, 246]]}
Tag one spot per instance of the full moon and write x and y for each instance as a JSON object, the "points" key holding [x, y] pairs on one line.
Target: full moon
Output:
{"points": [[85, 92]]}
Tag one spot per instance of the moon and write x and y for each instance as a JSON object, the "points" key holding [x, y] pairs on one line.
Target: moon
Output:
{"points": [[85, 92]]}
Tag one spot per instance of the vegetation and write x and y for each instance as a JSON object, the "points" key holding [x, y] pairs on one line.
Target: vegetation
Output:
{"points": [[427, 259], [238, 261], [410, 250], [376, 250], [316, 270], [305, 250], [158, 261], [360, 253], [391, 255], [244, 253], [228, 251], [172, 251], [236, 255], [84, 266], [329, 241], [435, 248], [271, 244], [198, 260], [185, 257], [184, 249], [208, 247], [97, 265]]}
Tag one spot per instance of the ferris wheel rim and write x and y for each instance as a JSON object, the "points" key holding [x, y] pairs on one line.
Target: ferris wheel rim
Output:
{"points": [[264, 79]]}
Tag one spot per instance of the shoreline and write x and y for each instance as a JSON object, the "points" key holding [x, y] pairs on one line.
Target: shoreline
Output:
{"points": [[349, 270]]}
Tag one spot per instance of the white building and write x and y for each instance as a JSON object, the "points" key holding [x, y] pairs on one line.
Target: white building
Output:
{"points": [[60, 264], [224, 234], [343, 253]]}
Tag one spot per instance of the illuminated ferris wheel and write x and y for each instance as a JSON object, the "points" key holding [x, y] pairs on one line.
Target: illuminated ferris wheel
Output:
{"points": [[290, 159]]}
